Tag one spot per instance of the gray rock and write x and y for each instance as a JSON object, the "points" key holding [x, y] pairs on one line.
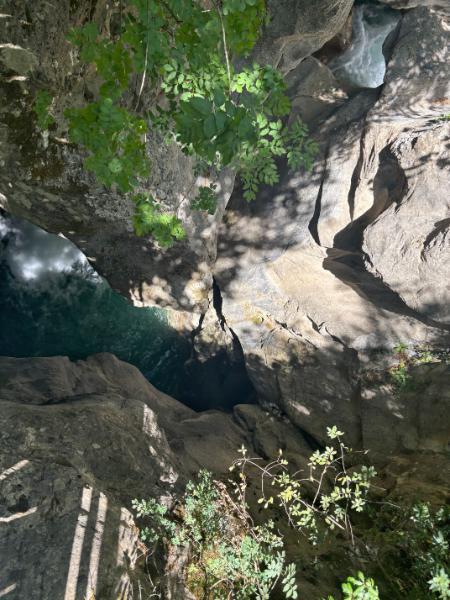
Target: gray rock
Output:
{"points": [[80, 440], [42, 178], [411, 420], [298, 28], [304, 302], [17, 59], [314, 92], [408, 245], [417, 82], [75, 449]]}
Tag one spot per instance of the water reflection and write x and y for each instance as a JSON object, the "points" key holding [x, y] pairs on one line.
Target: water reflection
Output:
{"points": [[53, 303]]}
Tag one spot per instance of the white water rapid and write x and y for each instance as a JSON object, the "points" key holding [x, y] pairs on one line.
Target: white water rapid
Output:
{"points": [[363, 64]]}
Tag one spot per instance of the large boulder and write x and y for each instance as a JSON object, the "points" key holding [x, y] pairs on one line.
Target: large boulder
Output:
{"points": [[75, 449], [298, 28], [408, 245]]}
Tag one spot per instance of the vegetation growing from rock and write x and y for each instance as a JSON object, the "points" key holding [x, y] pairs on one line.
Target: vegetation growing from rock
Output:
{"points": [[235, 552], [232, 555], [407, 358], [182, 53]]}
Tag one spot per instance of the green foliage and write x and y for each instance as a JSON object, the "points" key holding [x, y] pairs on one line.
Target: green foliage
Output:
{"points": [[409, 357], [359, 588], [400, 376], [400, 348], [185, 54], [42, 104], [336, 491], [413, 550], [150, 220], [424, 539], [161, 524], [206, 199], [440, 584], [114, 139], [230, 556]]}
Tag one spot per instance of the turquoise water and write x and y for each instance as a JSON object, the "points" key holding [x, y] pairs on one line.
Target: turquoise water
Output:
{"points": [[53, 303]]}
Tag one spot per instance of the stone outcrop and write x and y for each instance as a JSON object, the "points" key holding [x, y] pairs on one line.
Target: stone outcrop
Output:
{"points": [[317, 280], [332, 267], [75, 448], [298, 28], [79, 441], [42, 178], [408, 245]]}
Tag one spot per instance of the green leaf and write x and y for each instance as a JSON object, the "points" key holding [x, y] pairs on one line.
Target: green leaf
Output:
{"points": [[115, 166], [201, 105], [209, 127]]}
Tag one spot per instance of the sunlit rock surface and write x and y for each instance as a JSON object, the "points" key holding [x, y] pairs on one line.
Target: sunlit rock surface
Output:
{"points": [[324, 274]]}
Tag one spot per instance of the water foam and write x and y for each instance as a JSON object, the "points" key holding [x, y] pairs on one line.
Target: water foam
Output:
{"points": [[363, 63]]}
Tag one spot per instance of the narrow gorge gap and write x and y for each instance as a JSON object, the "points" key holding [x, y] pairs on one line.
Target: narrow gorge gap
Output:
{"points": [[53, 303]]}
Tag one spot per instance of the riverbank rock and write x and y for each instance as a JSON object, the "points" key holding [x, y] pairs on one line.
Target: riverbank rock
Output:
{"points": [[80, 440], [76, 447], [298, 28], [324, 274]]}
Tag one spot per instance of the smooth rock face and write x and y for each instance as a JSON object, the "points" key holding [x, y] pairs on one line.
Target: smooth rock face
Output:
{"points": [[417, 81], [414, 419], [331, 267], [408, 245]]}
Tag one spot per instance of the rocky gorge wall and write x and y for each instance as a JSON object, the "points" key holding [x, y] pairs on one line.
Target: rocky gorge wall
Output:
{"points": [[322, 276], [80, 440], [311, 286]]}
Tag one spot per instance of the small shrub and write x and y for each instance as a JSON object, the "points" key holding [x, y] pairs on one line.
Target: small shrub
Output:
{"points": [[359, 588], [231, 556]]}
